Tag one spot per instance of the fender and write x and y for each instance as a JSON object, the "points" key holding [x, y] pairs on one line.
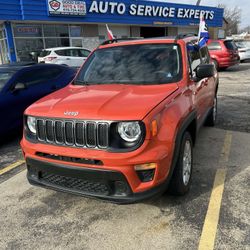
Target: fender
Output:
{"points": [[185, 123]]}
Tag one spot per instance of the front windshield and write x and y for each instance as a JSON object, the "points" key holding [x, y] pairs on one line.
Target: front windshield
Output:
{"points": [[4, 78], [133, 64]]}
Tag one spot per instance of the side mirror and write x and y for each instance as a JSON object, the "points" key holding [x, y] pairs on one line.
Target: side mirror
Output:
{"points": [[19, 86], [205, 70]]}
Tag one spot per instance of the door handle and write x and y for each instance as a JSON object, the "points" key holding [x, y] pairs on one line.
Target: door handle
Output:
{"points": [[67, 58]]}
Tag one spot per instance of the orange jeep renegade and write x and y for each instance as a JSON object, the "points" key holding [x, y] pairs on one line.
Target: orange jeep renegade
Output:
{"points": [[124, 129]]}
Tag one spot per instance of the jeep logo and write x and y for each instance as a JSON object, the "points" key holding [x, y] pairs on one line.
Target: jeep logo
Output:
{"points": [[70, 113]]}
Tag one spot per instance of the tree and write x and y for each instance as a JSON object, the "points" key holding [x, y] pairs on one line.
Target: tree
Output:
{"points": [[233, 17], [246, 29]]}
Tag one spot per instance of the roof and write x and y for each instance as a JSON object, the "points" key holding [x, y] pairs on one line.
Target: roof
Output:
{"points": [[61, 48], [139, 40]]}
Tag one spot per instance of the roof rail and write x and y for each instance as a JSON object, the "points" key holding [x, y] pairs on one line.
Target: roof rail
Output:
{"points": [[116, 40], [185, 35]]}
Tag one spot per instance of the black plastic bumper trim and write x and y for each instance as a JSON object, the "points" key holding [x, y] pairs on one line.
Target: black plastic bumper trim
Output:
{"points": [[35, 166]]}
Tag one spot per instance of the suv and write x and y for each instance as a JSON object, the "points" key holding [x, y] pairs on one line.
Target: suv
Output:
{"points": [[70, 56], [124, 129], [224, 53]]}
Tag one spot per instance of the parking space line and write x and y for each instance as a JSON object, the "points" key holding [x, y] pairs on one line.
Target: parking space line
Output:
{"points": [[10, 167], [209, 230]]}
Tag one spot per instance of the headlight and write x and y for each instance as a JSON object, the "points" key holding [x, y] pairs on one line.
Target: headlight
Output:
{"points": [[31, 123], [129, 131]]}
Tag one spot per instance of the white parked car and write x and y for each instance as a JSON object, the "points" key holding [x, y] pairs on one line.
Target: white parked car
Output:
{"points": [[244, 50], [71, 56]]}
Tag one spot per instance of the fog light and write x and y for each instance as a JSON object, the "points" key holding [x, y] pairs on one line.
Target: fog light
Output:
{"points": [[146, 175], [146, 171]]}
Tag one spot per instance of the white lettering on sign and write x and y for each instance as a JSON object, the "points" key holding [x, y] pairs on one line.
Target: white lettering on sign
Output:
{"points": [[73, 7], [104, 7]]}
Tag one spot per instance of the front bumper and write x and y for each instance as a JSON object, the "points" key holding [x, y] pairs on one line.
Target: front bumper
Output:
{"points": [[99, 183]]}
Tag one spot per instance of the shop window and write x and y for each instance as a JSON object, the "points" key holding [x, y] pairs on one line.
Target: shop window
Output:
{"points": [[53, 30], [56, 42], [25, 30], [25, 47], [76, 31], [2, 32]]}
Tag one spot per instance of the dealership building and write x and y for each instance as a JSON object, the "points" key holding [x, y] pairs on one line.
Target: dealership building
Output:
{"points": [[28, 26]]}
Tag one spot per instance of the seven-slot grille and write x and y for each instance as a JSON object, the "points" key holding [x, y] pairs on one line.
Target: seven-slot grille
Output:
{"points": [[73, 133]]}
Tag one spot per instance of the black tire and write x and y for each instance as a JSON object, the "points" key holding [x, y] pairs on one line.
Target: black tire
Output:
{"points": [[177, 184], [212, 117]]}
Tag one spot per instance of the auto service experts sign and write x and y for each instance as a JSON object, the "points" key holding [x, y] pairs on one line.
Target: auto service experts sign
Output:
{"points": [[66, 7]]}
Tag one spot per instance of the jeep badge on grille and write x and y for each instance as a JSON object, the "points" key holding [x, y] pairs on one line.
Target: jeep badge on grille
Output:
{"points": [[71, 113]]}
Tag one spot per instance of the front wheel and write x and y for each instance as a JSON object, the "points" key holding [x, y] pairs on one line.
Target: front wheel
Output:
{"points": [[181, 179]]}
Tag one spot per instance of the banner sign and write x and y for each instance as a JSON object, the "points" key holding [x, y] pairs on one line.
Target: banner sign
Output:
{"points": [[147, 10], [136, 12], [67, 7]]}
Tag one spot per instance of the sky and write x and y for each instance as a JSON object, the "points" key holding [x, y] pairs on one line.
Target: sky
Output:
{"points": [[243, 4]]}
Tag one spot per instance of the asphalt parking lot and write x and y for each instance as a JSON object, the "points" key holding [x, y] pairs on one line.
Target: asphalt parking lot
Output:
{"points": [[215, 212]]}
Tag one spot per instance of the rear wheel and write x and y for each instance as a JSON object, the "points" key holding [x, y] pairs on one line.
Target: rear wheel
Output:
{"points": [[181, 179], [212, 117]]}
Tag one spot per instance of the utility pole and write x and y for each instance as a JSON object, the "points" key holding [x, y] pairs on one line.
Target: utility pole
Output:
{"points": [[198, 2]]}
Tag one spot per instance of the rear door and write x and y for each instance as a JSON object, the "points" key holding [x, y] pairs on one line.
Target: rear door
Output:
{"points": [[209, 82]]}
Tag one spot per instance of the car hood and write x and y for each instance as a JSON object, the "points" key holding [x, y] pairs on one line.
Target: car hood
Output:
{"points": [[102, 102]]}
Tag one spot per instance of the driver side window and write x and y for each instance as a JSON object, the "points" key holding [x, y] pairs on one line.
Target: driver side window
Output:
{"points": [[194, 59]]}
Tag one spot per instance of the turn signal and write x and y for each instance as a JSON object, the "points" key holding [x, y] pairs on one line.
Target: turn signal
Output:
{"points": [[145, 166], [154, 128]]}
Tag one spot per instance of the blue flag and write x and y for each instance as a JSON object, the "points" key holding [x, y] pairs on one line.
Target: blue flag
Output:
{"points": [[203, 33]]}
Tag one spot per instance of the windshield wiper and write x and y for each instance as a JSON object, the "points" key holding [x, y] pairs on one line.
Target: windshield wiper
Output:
{"points": [[80, 82]]}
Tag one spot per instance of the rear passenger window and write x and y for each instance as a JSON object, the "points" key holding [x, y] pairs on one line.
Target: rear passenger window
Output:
{"points": [[84, 53], [74, 52], [230, 45], [214, 46], [61, 52], [37, 76], [204, 55]]}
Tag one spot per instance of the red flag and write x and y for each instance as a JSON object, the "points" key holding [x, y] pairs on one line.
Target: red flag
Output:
{"points": [[110, 34]]}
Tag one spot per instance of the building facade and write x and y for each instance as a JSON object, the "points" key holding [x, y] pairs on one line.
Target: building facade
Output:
{"points": [[28, 26]]}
